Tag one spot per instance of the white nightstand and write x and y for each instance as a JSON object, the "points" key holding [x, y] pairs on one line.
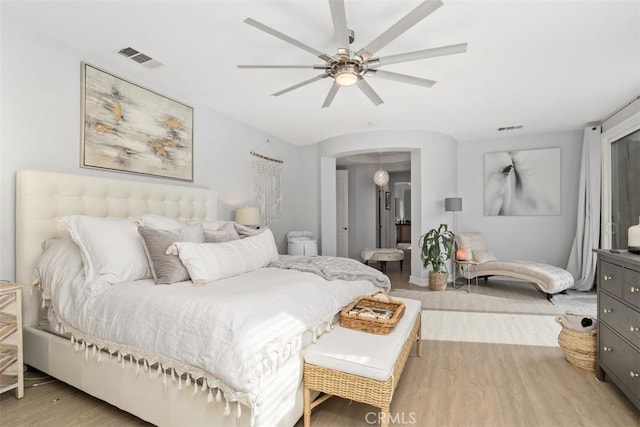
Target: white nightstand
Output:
{"points": [[11, 371]]}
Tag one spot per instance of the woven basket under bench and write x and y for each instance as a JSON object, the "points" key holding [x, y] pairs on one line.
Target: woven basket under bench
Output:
{"points": [[334, 382]]}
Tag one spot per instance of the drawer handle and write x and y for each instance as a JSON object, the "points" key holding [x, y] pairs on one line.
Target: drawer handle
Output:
{"points": [[634, 289], [634, 374], [606, 310], [605, 348], [607, 277], [634, 329]]}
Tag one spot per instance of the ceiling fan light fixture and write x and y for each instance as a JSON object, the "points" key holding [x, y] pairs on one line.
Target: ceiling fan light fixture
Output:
{"points": [[346, 76]]}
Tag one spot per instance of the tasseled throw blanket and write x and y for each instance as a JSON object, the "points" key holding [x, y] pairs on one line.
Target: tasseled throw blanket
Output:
{"points": [[221, 339], [333, 268]]}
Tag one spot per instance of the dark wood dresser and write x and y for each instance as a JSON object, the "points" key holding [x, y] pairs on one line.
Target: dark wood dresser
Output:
{"points": [[403, 233], [619, 321]]}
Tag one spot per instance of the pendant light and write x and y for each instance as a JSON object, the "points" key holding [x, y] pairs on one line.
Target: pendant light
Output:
{"points": [[381, 177]]}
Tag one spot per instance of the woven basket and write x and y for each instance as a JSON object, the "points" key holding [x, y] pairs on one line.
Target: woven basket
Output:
{"points": [[437, 281], [368, 324], [579, 347]]}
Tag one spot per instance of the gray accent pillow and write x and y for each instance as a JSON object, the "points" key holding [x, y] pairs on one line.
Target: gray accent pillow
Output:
{"points": [[167, 269], [226, 233], [244, 231]]}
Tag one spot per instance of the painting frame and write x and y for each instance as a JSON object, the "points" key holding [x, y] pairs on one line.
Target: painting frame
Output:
{"points": [[128, 128], [523, 182]]}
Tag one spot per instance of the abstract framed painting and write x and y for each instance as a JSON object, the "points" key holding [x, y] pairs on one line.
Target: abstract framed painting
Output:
{"points": [[128, 128], [522, 182]]}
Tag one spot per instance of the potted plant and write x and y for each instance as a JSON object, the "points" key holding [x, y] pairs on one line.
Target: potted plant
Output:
{"points": [[437, 248]]}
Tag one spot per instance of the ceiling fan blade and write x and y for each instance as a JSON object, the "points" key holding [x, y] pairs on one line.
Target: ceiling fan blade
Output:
{"points": [[309, 67], [304, 83], [286, 38], [418, 54], [339, 17], [411, 19], [332, 94], [368, 90], [403, 78]]}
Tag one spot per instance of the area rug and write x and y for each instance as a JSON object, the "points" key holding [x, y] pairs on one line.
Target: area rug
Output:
{"points": [[491, 296]]}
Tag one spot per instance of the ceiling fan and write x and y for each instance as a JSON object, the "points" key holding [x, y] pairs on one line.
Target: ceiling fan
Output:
{"points": [[348, 67]]}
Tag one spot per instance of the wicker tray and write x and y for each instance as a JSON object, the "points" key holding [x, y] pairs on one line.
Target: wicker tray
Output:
{"points": [[369, 303], [579, 347]]}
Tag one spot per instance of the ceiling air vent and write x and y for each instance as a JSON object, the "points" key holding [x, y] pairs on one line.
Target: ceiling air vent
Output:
{"points": [[139, 57], [505, 128]]}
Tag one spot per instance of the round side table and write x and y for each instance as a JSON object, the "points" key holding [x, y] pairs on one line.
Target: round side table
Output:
{"points": [[467, 267]]}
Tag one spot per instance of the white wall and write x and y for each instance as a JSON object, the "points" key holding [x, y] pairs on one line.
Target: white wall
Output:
{"points": [[433, 177], [40, 129], [535, 238], [308, 181], [362, 209]]}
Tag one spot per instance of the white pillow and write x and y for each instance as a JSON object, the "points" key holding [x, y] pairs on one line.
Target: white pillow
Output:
{"points": [[207, 262], [60, 261], [484, 256], [111, 248]]}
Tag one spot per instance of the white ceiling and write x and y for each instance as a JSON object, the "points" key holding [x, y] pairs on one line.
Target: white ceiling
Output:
{"points": [[546, 65]]}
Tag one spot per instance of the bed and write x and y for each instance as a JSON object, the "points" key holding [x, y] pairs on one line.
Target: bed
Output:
{"points": [[550, 279], [194, 391]]}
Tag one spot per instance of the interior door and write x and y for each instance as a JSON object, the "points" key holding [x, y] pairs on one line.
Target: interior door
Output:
{"points": [[342, 214]]}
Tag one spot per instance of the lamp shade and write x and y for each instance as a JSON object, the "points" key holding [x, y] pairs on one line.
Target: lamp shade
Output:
{"points": [[381, 178], [453, 204], [248, 216]]}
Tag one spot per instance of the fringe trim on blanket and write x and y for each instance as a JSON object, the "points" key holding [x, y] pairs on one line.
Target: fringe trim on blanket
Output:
{"points": [[277, 353], [159, 366]]}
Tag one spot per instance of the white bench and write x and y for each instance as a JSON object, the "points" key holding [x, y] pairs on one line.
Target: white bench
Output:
{"points": [[361, 366], [383, 255]]}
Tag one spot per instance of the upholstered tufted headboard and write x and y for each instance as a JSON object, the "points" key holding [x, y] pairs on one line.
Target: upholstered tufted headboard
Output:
{"points": [[42, 197]]}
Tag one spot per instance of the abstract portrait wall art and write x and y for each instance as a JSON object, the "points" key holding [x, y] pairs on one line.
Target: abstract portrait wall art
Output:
{"points": [[128, 128], [523, 182]]}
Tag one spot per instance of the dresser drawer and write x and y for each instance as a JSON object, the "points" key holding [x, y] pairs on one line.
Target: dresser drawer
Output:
{"points": [[622, 360], [631, 287], [621, 318], [611, 276]]}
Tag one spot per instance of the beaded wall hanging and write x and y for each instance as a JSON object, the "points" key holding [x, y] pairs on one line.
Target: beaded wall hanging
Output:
{"points": [[265, 183]]}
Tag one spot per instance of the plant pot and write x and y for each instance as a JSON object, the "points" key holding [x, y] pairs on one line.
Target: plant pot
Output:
{"points": [[438, 281]]}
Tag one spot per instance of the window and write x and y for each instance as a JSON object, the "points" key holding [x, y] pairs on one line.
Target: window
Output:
{"points": [[625, 187], [620, 175]]}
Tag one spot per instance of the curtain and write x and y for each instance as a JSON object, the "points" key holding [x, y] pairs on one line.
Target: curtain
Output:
{"points": [[582, 261]]}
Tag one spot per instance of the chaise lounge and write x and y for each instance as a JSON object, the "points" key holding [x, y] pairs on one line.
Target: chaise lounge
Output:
{"points": [[550, 279]]}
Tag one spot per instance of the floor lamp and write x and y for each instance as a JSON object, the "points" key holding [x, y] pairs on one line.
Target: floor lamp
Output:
{"points": [[453, 205]]}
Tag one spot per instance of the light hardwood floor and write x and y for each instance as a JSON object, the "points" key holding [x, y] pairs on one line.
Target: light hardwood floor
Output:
{"points": [[476, 384], [452, 384], [476, 369]]}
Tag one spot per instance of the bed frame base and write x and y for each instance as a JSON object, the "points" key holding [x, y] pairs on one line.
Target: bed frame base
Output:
{"points": [[140, 395]]}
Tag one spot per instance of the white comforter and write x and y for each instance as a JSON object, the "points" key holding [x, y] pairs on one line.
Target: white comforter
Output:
{"points": [[231, 332]]}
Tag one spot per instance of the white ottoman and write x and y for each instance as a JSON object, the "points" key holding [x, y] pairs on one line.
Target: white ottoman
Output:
{"points": [[383, 255], [361, 366], [301, 243]]}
